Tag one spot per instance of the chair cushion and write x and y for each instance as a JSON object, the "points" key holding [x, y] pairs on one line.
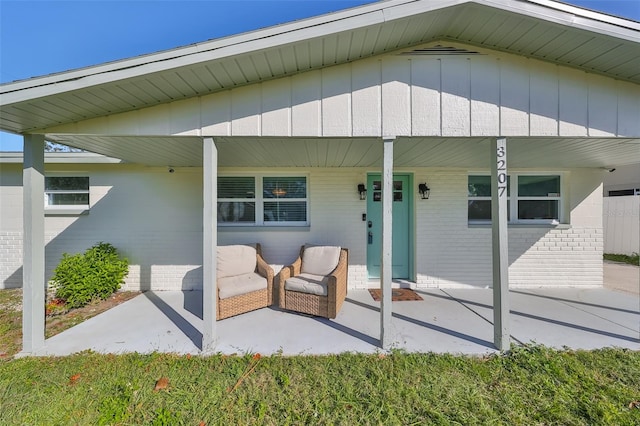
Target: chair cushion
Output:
{"points": [[240, 284], [308, 283], [320, 260], [236, 260]]}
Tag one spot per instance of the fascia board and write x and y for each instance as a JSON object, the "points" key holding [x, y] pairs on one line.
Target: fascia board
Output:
{"points": [[62, 158], [570, 16], [188, 55]]}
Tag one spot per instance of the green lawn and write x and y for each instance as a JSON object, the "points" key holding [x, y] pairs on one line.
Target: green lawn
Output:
{"points": [[633, 259], [530, 385]]}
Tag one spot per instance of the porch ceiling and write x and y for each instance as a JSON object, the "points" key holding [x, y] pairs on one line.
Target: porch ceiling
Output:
{"points": [[546, 30], [532, 152]]}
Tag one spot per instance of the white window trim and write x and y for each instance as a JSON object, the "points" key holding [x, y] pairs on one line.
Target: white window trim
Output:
{"points": [[259, 201], [514, 198], [67, 209]]}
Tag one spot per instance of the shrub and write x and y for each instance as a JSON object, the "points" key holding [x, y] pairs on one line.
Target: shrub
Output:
{"points": [[95, 274], [633, 259]]}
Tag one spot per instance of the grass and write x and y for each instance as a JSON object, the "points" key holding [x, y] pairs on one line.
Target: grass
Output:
{"points": [[633, 259], [10, 322], [530, 385]]}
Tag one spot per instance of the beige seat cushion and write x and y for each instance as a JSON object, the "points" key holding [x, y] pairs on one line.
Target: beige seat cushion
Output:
{"points": [[236, 260], [240, 284], [320, 260], [308, 283]]}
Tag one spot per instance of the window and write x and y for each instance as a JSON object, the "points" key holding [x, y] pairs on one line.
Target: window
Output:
{"points": [[623, 192], [537, 198], [66, 192], [262, 200], [479, 193]]}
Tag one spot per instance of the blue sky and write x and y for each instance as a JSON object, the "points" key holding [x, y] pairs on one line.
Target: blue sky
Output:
{"points": [[44, 37]]}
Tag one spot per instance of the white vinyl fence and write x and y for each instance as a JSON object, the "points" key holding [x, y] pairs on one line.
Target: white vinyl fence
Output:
{"points": [[622, 224]]}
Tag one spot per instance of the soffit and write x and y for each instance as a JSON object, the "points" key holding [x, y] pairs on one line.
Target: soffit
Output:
{"points": [[563, 35], [248, 152]]}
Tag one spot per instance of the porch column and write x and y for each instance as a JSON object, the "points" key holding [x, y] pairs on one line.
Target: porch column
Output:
{"points": [[386, 253], [500, 243], [209, 243], [33, 279]]}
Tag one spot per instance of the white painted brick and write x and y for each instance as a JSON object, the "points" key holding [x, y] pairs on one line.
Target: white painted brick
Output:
{"points": [[163, 237]]}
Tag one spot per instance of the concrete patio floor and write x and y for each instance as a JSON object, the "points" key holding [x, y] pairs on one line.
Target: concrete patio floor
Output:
{"points": [[447, 320]]}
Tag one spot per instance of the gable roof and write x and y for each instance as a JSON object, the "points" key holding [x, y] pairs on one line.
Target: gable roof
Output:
{"points": [[542, 29]]}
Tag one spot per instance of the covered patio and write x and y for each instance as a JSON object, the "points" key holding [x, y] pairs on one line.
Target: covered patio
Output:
{"points": [[446, 321], [438, 103]]}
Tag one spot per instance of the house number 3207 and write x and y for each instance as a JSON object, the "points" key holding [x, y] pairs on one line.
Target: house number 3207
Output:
{"points": [[502, 170]]}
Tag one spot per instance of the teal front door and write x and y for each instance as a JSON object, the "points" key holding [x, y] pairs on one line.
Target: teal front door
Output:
{"points": [[401, 224]]}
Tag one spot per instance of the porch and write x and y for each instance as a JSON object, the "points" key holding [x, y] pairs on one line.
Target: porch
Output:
{"points": [[446, 320]]}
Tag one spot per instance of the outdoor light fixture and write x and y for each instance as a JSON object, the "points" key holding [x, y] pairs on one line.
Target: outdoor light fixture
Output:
{"points": [[362, 190], [424, 190]]}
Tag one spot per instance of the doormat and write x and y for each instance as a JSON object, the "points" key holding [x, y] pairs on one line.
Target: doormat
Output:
{"points": [[397, 294]]}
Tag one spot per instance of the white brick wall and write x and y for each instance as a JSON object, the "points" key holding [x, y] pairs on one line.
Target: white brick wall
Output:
{"points": [[451, 253], [155, 219]]}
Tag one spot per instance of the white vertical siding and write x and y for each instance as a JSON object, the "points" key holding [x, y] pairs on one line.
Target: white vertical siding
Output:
{"points": [[215, 113], [306, 112], [628, 109], [336, 101], [514, 97], [425, 97], [456, 91], [185, 118], [485, 97], [543, 87], [396, 101], [622, 224], [573, 97], [276, 107], [365, 98], [488, 94], [246, 103], [603, 106]]}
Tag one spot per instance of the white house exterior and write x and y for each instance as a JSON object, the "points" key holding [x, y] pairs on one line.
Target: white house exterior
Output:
{"points": [[154, 218], [390, 95]]}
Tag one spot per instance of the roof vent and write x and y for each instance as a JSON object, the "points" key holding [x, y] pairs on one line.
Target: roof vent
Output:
{"points": [[441, 51]]}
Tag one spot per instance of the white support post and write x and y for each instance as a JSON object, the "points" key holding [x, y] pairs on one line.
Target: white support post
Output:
{"points": [[500, 247], [33, 279], [386, 253], [210, 243]]}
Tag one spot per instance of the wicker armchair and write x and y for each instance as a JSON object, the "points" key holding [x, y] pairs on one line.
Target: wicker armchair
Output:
{"points": [[244, 280], [312, 285]]}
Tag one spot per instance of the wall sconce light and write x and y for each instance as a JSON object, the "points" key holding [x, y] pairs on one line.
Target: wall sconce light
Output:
{"points": [[362, 190], [424, 191]]}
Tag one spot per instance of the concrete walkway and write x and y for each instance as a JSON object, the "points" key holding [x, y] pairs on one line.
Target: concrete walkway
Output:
{"points": [[448, 320], [623, 277]]}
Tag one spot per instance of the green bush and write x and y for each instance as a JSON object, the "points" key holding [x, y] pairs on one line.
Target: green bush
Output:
{"points": [[633, 259], [95, 274]]}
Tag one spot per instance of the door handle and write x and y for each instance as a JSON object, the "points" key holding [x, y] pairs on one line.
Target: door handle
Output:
{"points": [[370, 237]]}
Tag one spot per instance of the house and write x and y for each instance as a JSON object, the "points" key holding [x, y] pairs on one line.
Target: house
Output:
{"points": [[445, 143]]}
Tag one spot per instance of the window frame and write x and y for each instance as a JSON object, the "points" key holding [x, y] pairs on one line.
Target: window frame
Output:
{"points": [[514, 198], [67, 208], [259, 200]]}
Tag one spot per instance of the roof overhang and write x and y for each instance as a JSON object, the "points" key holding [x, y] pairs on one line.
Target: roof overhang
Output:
{"points": [[366, 152], [546, 30], [61, 158]]}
